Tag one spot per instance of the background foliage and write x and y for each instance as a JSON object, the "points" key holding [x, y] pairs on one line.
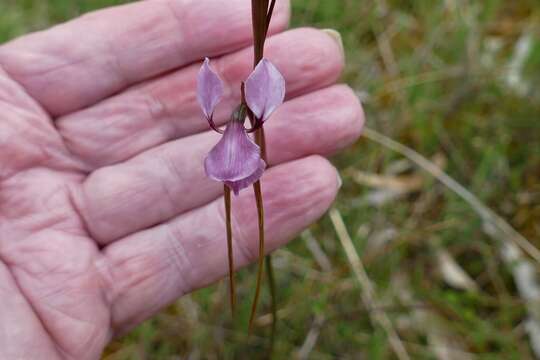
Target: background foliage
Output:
{"points": [[456, 80]]}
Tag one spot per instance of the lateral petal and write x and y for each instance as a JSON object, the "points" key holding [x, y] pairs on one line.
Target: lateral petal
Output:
{"points": [[265, 90], [209, 89]]}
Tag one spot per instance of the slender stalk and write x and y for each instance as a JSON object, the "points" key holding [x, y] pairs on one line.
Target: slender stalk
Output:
{"points": [[260, 139], [269, 17], [260, 211], [232, 286], [262, 15], [273, 305]]}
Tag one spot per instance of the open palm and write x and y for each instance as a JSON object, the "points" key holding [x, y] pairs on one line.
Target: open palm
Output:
{"points": [[106, 215]]}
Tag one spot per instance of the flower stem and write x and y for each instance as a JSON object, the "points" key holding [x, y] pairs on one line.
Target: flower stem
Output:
{"points": [[273, 304], [269, 17], [260, 211], [232, 286], [262, 11], [259, 9]]}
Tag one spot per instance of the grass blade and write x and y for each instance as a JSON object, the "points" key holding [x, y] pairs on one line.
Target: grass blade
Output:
{"points": [[368, 290], [485, 213]]}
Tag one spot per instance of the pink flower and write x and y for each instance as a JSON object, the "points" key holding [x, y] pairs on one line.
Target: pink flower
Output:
{"points": [[236, 159]]}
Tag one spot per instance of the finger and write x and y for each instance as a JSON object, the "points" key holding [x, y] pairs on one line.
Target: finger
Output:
{"points": [[150, 269], [27, 136], [76, 64], [166, 108], [166, 181]]}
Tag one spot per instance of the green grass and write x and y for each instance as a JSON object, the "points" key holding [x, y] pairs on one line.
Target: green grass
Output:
{"points": [[433, 75]]}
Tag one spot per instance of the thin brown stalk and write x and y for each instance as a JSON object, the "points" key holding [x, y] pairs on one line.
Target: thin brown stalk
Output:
{"points": [[260, 139], [269, 267], [262, 11], [232, 285], [259, 10], [269, 17], [260, 211]]}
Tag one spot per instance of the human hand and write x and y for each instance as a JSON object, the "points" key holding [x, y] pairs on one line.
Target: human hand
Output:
{"points": [[106, 215]]}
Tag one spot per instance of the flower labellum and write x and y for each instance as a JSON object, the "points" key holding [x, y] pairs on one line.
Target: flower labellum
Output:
{"points": [[236, 159]]}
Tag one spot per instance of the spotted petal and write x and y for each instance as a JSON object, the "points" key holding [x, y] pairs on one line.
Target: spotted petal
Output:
{"points": [[235, 160], [265, 90], [209, 90]]}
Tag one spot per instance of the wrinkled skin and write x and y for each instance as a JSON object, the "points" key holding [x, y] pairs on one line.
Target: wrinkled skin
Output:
{"points": [[106, 215]]}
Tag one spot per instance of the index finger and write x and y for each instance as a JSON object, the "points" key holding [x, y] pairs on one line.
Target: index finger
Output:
{"points": [[76, 64]]}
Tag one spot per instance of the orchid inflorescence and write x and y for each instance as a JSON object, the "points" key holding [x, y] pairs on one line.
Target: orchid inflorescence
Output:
{"points": [[237, 160]]}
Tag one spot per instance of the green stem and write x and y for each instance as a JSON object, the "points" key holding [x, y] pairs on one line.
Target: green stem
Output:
{"points": [[232, 287]]}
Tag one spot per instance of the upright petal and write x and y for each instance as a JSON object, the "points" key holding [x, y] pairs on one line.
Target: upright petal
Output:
{"points": [[265, 90], [236, 159], [209, 89]]}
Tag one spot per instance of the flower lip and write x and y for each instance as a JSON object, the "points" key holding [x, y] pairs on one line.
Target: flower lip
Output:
{"points": [[236, 186], [209, 92], [236, 159], [265, 90]]}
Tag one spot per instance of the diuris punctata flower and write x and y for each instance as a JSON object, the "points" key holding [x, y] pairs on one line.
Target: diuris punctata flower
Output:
{"points": [[236, 160]]}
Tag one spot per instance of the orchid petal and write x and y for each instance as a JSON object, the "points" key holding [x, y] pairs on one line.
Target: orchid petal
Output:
{"points": [[265, 90], [236, 186], [236, 159], [209, 90]]}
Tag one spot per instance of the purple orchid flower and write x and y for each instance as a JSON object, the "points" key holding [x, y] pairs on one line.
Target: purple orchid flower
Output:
{"points": [[236, 159]]}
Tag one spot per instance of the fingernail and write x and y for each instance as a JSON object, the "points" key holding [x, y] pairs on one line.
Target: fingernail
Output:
{"points": [[339, 180], [336, 36]]}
